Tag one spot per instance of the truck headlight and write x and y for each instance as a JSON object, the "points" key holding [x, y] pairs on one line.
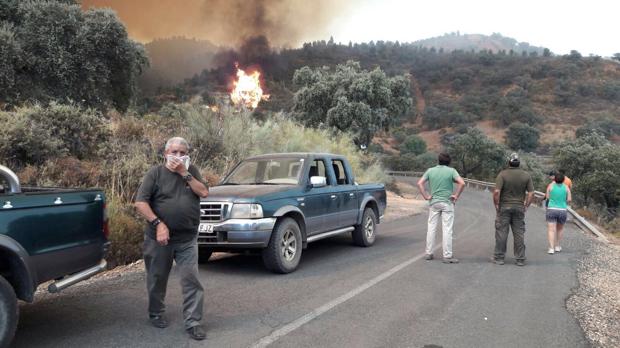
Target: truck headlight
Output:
{"points": [[246, 211]]}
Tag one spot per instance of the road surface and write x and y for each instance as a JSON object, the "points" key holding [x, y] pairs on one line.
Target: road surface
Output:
{"points": [[345, 296]]}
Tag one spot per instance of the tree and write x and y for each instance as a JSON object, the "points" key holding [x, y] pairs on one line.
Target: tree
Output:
{"points": [[9, 59], [475, 155], [616, 56], [521, 136], [516, 106], [607, 126], [414, 145], [350, 99], [57, 52], [594, 165]]}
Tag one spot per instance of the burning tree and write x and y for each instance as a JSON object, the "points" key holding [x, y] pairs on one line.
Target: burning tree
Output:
{"points": [[247, 91], [350, 99]]}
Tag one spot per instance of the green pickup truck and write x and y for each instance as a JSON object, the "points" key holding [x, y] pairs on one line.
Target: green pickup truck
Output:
{"points": [[46, 234], [278, 203]]}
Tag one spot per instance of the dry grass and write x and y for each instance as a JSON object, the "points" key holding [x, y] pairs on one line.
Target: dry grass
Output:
{"points": [[490, 130]]}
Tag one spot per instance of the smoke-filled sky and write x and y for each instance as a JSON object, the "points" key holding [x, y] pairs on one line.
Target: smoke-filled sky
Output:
{"points": [[227, 22], [586, 26]]}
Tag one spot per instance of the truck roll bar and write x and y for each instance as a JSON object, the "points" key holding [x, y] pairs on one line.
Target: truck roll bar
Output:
{"points": [[11, 178]]}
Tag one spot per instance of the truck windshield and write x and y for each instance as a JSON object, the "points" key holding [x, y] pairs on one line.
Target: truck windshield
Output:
{"points": [[275, 171]]}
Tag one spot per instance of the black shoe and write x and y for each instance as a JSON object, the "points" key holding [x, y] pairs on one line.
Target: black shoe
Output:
{"points": [[520, 263], [429, 257], [197, 333], [498, 261], [450, 260], [158, 321]]}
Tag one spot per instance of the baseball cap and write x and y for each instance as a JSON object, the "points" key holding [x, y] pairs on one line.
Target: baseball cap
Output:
{"points": [[514, 157]]}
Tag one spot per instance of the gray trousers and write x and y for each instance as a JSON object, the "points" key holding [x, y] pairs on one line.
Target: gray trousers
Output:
{"points": [[513, 218], [158, 262]]}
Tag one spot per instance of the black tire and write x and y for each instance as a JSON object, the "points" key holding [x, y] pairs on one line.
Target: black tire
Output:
{"points": [[203, 255], [8, 313], [283, 253], [365, 233]]}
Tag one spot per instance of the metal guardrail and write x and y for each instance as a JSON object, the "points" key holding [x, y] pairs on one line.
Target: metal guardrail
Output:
{"points": [[580, 221]]}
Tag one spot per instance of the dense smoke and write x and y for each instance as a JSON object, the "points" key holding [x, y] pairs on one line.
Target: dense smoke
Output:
{"points": [[227, 22]]}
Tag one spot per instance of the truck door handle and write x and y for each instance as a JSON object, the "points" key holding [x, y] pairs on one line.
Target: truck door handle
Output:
{"points": [[351, 194], [333, 196]]}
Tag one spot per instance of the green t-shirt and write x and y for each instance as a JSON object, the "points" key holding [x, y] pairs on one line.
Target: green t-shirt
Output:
{"points": [[441, 181], [512, 184], [173, 201]]}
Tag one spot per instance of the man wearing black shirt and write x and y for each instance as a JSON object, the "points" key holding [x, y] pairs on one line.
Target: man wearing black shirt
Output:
{"points": [[169, 199]]}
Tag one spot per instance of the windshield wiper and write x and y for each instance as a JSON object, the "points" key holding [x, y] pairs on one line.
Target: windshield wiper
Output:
{"points": [[265, 183], [230, 183]]}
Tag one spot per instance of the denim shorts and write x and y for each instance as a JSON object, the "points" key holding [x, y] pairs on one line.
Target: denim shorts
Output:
{"points": [[556, 216]]}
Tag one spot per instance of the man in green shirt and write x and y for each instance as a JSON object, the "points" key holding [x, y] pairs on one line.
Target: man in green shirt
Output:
{"points": [[511, 203], [441, 180]]}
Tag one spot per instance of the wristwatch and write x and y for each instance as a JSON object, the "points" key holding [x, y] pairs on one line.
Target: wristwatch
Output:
{"points": [[155, 222], [188, 177]]}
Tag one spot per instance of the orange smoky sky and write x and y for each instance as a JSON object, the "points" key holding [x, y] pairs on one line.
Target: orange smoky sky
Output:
{"points": [[227, 22]]}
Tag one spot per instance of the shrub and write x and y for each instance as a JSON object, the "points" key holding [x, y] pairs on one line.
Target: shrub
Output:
{"points": [[126, 233], [523, 137], [23, 141], [280, 134], [413, 144], [399, 135], [607, 126], [375, 148], [36, 133]]}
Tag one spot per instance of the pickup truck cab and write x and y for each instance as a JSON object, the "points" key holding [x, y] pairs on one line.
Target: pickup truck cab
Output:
{"points": [[46, 234], [278, 203]]}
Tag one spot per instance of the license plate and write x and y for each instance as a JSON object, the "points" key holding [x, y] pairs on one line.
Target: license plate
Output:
{"points": [[206, 228]]}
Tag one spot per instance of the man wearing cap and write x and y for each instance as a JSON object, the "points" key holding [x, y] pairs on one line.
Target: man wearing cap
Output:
{"points": [[511, 202]]}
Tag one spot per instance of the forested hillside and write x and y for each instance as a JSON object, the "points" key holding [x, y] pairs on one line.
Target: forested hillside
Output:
{"points": [[72, 113], [452, 90]]}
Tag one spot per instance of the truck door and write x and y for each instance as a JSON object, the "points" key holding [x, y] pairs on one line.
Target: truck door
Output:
{"points": [[317, 202], [346, 192]]}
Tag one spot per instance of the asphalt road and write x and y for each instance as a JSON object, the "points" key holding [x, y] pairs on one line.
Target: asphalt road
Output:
{"points": [[345, 296]]}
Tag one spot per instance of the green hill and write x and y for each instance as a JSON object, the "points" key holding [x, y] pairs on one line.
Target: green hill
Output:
{"points": [[452, 89], [478, 42]]}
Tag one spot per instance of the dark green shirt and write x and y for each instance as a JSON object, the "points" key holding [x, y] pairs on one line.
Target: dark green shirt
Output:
{"points": [[512, 184], [172, 200]]}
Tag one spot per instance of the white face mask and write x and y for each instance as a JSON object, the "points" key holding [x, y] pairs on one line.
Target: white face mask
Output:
{"points": [[185, 159]]}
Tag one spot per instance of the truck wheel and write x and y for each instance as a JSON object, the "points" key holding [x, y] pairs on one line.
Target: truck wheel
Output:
{"points": [[8, 312], [365, 233], [204, 254], [283, 253]]}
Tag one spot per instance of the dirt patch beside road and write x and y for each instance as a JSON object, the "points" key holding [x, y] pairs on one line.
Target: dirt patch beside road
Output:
{"points": [[406, 202], [596, 302]]}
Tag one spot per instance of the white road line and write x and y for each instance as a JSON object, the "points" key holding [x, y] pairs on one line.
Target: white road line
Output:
{"points": [[292, 326], [286, 329]]}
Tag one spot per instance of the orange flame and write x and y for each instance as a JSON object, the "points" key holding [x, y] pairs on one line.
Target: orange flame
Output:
{"points": [[247, 91]]}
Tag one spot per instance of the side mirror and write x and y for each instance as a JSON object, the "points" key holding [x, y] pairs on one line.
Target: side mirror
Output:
{"points": [[318, 181]]}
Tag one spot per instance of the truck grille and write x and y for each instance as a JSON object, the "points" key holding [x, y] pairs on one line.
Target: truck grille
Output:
{"points": [[213, 211]]}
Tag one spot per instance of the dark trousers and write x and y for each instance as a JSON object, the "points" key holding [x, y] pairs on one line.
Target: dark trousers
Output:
{"points": [[513, 218], [158, 262]]}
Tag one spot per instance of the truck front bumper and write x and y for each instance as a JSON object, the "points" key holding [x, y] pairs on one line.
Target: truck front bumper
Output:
{"points": [[239, 233]]}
